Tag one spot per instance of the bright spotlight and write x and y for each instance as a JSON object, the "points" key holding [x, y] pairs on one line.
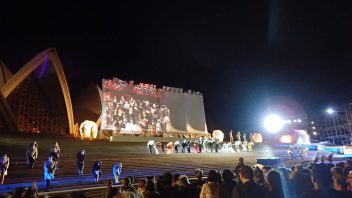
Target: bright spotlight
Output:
{"points": [[273, 123], [299, 120], [315, 133], [330, 111]]}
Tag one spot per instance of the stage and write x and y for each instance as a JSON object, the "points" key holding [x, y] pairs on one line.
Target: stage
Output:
{"points": [[135, 157]]}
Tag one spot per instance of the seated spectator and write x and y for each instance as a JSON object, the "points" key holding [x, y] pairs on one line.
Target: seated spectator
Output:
{"points": [[184, 187], [321, 179], [219, 177], [248, 188], [228, 184], [300, 180], [337, 173], [276, 184], [210, 188], [266, 169], [141, 185], [348, 167], [258, 176], [150, 190], [176, 180], [196, 186], [349, 182], [167, 189], [339, 184]]}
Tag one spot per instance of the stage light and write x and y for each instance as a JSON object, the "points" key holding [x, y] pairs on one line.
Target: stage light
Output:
{"points": [[273, 123], [313, 127], [294, 120], [312, 122], [286, 139], [330, 111], [299, 120], [315, 133]]}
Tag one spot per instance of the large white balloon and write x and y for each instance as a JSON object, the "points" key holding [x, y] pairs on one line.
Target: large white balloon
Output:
{"points": [[88, 129]]}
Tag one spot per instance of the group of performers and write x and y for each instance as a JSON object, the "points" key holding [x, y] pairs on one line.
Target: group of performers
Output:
{"points": [[302, 151], [135, 114], [202, 145]]}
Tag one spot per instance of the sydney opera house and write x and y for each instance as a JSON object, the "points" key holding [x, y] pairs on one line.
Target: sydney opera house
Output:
{"points": [[36, 99]]}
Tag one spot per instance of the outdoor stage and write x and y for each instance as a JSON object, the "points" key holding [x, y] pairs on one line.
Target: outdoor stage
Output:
{"points": [[136, 160]]}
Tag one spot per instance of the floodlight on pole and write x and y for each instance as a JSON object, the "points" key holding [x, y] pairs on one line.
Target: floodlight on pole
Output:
{"points": [[330, 111], [273, 123]]}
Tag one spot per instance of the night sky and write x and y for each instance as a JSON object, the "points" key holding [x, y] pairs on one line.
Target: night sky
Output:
{"points": [[242, 55]]}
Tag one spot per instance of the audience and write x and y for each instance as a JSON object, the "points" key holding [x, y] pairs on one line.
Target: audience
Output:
{"points": [[276, 184], [210, 189], [248, 188], [229, 183]]}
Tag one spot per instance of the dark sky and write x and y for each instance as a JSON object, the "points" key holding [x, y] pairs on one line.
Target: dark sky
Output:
{"points": [[239, 54]]}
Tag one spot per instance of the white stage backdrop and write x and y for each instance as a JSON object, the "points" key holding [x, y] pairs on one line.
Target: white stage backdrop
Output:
{"points": [[137, 108]]}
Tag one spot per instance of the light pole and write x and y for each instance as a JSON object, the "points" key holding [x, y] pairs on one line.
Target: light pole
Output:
{"points": [[331, 112]]}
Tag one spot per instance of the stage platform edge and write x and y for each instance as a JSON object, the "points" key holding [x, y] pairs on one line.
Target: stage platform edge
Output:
{"points": [[127, 138]]}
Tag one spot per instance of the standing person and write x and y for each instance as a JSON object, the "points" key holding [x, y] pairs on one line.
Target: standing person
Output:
{"points": [[4, 166], [201, 142], [331, 158], [228, 185], [55, 152], [184, 145], [97, 170], [211, 188], [230, 136], [244, 137], [81, 155], [32, 154], [49, 171], [116, 171], [196, 147], [239, 165], [83, 131], [189, 146], [238, 136], [150, 145], [76, 130], [196, 186], [176, 145], [290, 152], [251, 138], [276, 184]]}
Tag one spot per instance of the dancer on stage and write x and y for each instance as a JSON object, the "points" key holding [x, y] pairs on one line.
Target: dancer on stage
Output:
{"points": [[176, 145], [196, 147], [116, 171], [169, 147], [290, 152], [184, 145], [189, 146], [238, 136], [55, 153], [230, 136], [32, 154], [150, 145], [49, 171], [201, 144], [97, 170], [81, 155], [4, 166]]}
